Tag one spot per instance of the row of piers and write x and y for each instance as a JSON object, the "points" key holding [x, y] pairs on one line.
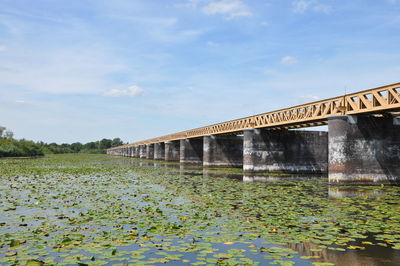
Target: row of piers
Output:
{"points": [[355, 150]]}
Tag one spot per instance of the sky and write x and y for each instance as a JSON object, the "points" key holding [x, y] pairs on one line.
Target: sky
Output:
{"points": [[136, 69]]}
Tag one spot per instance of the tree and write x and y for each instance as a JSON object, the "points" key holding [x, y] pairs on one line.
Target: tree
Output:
{"points": [[76, 147], [90, 145], [8, 134], [105, 144], [1, 131], [116, 142]]}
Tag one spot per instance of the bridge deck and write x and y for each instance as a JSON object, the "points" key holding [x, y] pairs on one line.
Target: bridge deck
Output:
{"points": [[379, 100]]}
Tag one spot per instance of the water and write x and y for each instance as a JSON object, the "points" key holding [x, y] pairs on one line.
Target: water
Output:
{"points": [[97, 209]]}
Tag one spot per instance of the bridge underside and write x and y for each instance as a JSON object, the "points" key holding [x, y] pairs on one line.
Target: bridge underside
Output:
{"points": [[360, 149]]}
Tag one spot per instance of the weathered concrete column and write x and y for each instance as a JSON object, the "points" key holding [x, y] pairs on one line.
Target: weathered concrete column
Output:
{"points": [[150, 151], [364, 150], [137, 152], [220, 150], [159, 151], [131, 151], [142, 151], [172, 150], [191, 150], [285, 151]]}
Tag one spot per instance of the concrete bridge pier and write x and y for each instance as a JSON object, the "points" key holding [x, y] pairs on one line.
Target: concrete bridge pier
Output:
{"points": [[137, 151], [364, 150], [223, 150], [159, 151], [191, 150], [285, 151], [131, 151], [172, 150], [150, 151], [142, 152]]}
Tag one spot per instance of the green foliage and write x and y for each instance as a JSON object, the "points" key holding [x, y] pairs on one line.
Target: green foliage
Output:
{"points": [[94, 147], [19, 148]]}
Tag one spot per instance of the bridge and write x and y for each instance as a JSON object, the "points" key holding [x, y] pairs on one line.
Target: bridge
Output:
{"points": [[362, 145]]}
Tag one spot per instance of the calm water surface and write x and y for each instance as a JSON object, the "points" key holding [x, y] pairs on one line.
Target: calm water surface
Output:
{"points": [[97, 209]]}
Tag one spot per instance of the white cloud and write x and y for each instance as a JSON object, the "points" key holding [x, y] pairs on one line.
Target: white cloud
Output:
{"points": [[289, 60], [132, 91], [230, 8], [302, 6], [212, 44], [3, 48], [392, 2], [310, 98], [194, 3]]}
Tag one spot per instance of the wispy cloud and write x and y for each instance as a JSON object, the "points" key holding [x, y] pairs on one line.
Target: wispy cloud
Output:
{"points": [[289, 60], [310, 98], [60, 71], [230, 8], [20, 102], [3, 48], [302, 6], [212, 44], [132, 91]]}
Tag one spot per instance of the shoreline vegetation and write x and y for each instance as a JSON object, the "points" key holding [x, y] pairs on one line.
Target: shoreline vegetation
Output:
{"points": [[10, 147]]}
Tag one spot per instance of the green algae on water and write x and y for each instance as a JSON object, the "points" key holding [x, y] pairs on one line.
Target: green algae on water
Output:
{"points": [[97, 209]]}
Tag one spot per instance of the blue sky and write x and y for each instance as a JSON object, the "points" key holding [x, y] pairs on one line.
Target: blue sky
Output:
{"points": [[136, 69]]}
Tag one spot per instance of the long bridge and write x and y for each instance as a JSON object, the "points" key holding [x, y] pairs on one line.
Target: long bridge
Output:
{"points": [[362, 144]]}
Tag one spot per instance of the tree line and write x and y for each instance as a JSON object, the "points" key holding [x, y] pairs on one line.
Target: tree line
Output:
{"points": [[10, 147]]}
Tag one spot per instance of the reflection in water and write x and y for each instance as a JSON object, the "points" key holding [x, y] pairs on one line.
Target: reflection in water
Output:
{"points": [[211, 173], [172, 165], [373, 255], [189, 169], [336, 192], [255, 178], [274, 178]]}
